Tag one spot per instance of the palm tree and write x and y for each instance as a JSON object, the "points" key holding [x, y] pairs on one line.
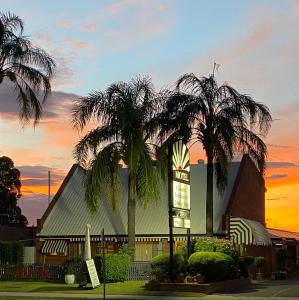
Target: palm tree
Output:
{"points": [[124, 114], [222, 120], [28, 67]]}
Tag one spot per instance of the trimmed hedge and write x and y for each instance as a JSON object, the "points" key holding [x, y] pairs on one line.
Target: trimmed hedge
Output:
{"points": [[161, 266], [117, 267], [214, 244], [11, 252], [215, 266]]}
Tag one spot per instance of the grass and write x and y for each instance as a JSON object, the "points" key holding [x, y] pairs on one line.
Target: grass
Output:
{"points": [[119, 288]]}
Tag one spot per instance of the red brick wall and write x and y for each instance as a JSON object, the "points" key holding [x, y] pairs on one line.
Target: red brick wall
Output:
{"points": [[248, 196]]}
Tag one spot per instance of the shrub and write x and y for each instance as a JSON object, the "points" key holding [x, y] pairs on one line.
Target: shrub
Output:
{"points": [[215, 266], [161, 266], [124, 249], [213, 244], [11, 252], [117, 267]]}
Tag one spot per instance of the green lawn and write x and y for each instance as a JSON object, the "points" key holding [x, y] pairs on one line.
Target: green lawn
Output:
{"points": [[120, 288]]}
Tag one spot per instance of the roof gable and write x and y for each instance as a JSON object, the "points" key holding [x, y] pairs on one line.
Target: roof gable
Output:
{"points": [[68, 213]]}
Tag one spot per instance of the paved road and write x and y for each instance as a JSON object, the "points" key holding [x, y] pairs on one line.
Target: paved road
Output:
{"points": [[268, 289]]}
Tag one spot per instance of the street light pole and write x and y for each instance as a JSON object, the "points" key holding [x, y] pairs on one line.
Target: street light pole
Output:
{"points": [[170, 204]]}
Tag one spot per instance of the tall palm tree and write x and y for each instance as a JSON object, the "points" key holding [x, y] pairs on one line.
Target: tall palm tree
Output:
{"points": [[124, 114], [222, 120], [28, 67]]}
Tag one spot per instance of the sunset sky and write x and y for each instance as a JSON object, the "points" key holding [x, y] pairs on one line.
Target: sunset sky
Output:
{"points": [[95, 43]]}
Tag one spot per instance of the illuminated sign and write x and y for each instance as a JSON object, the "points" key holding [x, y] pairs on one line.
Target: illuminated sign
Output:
{"points": [[180, 186]]}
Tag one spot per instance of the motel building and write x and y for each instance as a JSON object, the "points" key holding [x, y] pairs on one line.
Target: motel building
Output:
{"points": [[239, 214]]}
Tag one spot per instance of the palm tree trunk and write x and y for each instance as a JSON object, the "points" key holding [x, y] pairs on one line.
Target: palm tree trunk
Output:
{"points": [[131, 214], [209, 199]]}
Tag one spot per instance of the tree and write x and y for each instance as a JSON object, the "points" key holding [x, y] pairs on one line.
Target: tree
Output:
{"points": [[10, 185], [222, 120], [26, 66], [124, 114]]}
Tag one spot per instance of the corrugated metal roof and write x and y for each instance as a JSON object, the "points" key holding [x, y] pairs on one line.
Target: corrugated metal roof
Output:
{"points": [[70, 213], [260, 233], [279, 233]]}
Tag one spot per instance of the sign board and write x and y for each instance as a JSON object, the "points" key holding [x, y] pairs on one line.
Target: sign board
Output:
{"points": [[92, 272], [180, 185]]}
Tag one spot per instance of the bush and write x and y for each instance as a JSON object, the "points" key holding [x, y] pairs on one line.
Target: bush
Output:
{"points": [[213, 244], [215, 266], [124, 249], [117, 267], [161, 266], [11, 252]]}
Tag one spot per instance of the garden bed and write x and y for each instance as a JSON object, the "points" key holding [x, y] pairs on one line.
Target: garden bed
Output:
{"points": [[206, 288]]}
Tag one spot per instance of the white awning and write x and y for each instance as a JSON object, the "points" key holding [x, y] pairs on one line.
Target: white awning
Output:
{"points": [[54, 246], [248, 232]]}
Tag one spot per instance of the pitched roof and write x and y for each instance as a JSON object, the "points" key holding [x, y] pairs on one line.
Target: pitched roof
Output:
{"points": [[69, 214], [284, 234]]}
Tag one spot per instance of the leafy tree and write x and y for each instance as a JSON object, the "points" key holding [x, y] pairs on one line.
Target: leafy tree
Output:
{"points": [[28, 67], [10, 185], [124, 115], [222, 120]]}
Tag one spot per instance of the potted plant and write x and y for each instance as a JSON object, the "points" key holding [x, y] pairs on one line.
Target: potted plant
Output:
{"points": [[69, 274], [259, 262]]}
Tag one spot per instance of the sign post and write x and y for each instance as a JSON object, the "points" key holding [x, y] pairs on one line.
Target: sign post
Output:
{"points": [[178, 192]]}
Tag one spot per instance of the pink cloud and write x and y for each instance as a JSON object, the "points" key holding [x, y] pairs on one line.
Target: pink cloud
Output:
{"points": [[89, 27], [43, 37], [66, 24], [76, 43], [140, 20]]}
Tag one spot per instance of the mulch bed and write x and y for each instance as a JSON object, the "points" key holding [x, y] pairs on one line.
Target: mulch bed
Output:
{"points": [[206, 288]]}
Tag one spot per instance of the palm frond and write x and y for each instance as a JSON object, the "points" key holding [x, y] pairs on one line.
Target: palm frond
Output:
{"points": [[103, 179], [11, 22], [149, 183], [250, 143], [28, 67], [91, 142], [87, 107]]}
